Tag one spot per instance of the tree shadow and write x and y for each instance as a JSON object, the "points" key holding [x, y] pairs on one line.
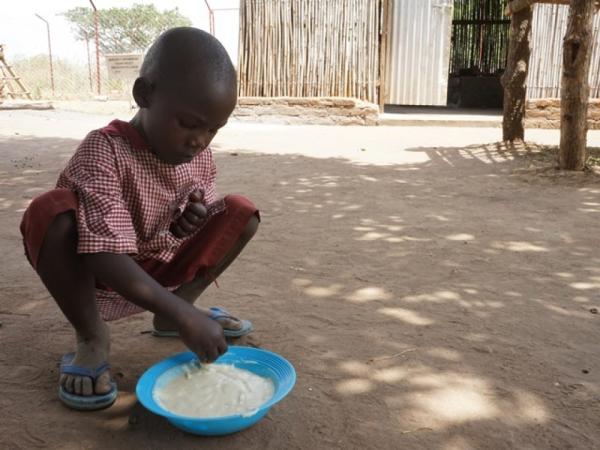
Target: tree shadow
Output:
{"points": [[444, 304]]}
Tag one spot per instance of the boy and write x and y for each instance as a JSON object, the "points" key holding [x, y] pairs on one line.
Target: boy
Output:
{"points": [[135, 224]]}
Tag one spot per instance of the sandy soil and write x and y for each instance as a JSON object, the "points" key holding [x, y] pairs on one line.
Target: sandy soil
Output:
{"points": [[428, 296]]}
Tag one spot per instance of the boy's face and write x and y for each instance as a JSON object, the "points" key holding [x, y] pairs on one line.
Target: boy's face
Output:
{"points": [[178, 129]]}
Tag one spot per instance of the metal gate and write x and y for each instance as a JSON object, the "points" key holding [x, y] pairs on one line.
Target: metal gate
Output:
{"points": [[419, 56]]}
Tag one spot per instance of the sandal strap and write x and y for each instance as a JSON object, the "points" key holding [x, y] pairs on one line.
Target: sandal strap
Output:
{"points": [[72, 369], [221, 313]]}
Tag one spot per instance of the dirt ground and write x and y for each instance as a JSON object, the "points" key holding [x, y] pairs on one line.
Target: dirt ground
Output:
{"points": [[428, 296]]}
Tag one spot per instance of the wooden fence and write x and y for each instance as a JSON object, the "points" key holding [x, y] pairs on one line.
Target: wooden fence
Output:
{"points": [[545, 71], [310, 48]]}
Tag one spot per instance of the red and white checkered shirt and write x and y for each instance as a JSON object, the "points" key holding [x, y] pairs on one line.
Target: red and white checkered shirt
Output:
{"points": [[128, 199]]}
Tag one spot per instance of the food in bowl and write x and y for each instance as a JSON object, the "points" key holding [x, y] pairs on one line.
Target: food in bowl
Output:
{"points": [[214, 390], [258, 361]]}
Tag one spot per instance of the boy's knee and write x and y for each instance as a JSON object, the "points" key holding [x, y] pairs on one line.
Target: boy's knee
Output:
{"points": [[59, 240], [64, 226], [250, 228], [238, 204]]}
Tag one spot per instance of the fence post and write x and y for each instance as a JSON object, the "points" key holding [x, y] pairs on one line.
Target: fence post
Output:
{"points": [[89, 62], [211, 18], [49, 52], [97, 47]]}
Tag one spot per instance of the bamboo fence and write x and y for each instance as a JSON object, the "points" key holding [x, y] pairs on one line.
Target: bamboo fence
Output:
{"points": [[479, 36], [310, 48], [545, 71]]}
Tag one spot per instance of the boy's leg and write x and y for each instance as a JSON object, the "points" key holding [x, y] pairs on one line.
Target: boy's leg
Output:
{"points": [[72, 286], [191, 291]]}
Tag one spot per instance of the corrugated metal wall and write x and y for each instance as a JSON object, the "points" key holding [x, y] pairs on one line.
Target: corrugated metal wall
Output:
{"points": [[545, 70], [419, 52]]}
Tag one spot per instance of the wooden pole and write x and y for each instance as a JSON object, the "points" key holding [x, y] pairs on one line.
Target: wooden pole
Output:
{"points": [[515, 77], [7, 80], [386, 29], [575, 91]]}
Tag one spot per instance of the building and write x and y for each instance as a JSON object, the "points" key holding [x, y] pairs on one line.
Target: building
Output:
{"points": [[397, 52]]}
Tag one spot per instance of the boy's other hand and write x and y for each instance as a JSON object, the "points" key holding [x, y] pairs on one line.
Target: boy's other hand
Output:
{"points": [[203, 335], [193, 216]]}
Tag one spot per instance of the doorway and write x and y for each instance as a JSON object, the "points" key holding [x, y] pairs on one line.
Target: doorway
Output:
{"points": [[479, 48], [447, 53]]}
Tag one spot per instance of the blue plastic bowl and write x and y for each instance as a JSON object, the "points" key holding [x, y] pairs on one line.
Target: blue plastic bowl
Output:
{"points": [[258, 361]]}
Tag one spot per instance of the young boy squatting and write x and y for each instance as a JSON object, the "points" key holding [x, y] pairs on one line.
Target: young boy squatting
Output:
{"points": [[134, 222]]}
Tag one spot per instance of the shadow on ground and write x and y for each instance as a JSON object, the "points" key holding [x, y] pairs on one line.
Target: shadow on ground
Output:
{"points": [[436, 305]]}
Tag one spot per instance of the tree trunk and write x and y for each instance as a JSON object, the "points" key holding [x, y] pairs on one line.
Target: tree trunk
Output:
{"points": [[515, 77], [575, 90], [517, 5]]}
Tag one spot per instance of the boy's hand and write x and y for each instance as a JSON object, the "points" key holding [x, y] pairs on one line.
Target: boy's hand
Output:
{"points": [[203, 336], [193, 216]]}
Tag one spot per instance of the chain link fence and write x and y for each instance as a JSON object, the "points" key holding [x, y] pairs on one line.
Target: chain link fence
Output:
{"points": [[74, 46]]}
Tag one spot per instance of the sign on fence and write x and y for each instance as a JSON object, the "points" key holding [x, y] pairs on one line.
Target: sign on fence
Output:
{"points": [[124, 66]]}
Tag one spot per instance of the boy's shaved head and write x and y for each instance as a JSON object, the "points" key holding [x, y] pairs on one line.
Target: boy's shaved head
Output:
{"points": [[186, 91], [188, 59]]}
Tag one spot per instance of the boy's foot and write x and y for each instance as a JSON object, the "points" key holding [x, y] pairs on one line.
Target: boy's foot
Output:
{"points": [[228, 322], [90, 354]]}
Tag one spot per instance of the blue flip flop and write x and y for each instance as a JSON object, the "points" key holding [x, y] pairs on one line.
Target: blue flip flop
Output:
{"points": [[215, 314], [221, 313], [85, 402]]}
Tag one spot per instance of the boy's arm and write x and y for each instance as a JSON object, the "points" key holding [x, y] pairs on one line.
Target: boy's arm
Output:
{"points": [[121, 273]]}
